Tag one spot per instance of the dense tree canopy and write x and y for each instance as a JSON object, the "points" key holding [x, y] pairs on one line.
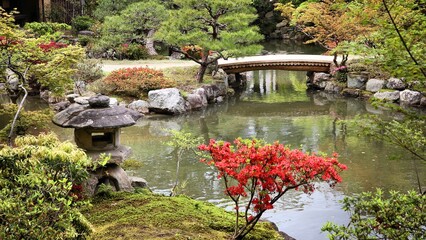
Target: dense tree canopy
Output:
{"points": [[218, 28], [133, 24]]}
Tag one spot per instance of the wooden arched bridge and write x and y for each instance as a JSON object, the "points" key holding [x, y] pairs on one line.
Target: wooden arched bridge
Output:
{"points": [[314, 63]]}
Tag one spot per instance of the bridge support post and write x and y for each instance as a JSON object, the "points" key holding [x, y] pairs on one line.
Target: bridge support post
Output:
{"points": [[238, 78]]}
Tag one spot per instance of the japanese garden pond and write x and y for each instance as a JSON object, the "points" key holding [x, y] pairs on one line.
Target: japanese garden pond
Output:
{"points": [[275, 106]]}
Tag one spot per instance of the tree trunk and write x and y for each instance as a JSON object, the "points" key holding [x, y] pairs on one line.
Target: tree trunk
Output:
{"points": [[201, 72], [149, 44]]}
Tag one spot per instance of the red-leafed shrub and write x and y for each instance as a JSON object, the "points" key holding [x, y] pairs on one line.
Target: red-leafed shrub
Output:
{"points": [[262, 173], [137, 81], [51, 45]]}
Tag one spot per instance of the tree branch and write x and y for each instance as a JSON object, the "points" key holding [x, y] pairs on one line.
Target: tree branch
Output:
{"points": [[401, 38], [21, 105]]}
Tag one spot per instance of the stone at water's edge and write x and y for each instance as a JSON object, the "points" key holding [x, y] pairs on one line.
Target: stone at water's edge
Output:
{"points": [[138, 182], [389, 96], [357, 80], [396, 83], [375, 85], [214, 91], [140, 106], [167, 101], [320, 80], [332, 87], [410, 97], [197, 99]]}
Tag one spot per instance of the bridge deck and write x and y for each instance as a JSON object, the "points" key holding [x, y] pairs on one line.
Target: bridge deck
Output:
{"points": [[317, 63]]}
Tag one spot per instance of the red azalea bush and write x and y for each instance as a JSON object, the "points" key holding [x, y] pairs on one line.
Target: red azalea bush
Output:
{"points": [[136, 81], [263, 173]]}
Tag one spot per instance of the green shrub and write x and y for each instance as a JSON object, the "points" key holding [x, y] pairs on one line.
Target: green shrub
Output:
{"points": [[374, 216], [89, 70], [46, 28], [81, 23], [133, 51], [40, 189], [136, 81], [84, 40]]}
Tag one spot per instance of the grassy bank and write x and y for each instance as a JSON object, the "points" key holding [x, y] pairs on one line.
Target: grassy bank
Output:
{"points": [[150, 216]]}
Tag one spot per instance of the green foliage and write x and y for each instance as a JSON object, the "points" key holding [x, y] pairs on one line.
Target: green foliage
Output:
{"points": [[386, 47], [220, 28], [51, 29], [408, 133], [39, 192], [110, 7], [373, 216], [28, 122], [52, 64], [81, 23], [133, 51], [88, 70], [131, 164], [136, 81], [131, 25]]}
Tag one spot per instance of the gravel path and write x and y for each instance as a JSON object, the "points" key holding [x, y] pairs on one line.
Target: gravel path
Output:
{"points": [[108, 65]]}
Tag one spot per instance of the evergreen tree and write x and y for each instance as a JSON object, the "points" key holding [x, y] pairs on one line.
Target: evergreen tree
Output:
{"points": [[219, 29]]}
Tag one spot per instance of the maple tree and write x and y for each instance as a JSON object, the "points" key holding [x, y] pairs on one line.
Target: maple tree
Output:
{"points": [[49, 63], [263, 173], [331, 22]]}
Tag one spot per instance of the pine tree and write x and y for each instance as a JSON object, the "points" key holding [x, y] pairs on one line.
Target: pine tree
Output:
{"points": [[216, 28]]}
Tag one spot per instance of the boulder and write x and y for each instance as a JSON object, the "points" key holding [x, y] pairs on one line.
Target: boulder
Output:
{"points": [[219, 74], [423, 102], [320, 80], [283, 23], [113, 102], [60, 106], [388, 96], [140, 106], [213, 91], [374, 85], [86, 33], [71, 97], [409, 97], [138, 182], [332, 87], [197, 99], [357, 80], [396, 83], [167, 101]]}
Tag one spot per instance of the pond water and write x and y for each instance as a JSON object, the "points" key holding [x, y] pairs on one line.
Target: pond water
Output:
{"points": [[274, 106]]}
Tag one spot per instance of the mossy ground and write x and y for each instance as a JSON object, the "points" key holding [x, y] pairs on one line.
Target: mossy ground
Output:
{"points": [[150, 216]]}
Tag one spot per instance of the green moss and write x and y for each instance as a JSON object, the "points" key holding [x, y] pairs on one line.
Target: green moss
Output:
{"points": [[150, 216], [131, 164]]}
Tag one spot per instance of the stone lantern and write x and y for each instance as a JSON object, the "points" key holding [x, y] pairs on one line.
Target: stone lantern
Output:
{"points": [[97, 130]]}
